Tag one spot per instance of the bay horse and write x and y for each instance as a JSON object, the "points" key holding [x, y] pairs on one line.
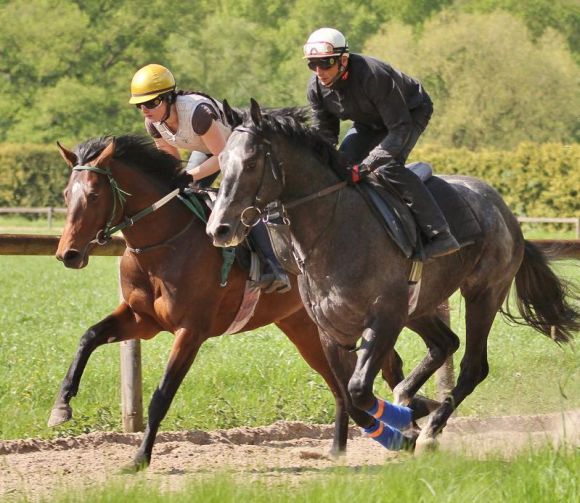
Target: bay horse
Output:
{"points": [[354, 280], [169, 274]]}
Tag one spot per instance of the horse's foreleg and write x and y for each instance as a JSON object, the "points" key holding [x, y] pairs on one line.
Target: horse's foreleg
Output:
{"points": [[389, 419], [342, 364], [122, 324], [183, 352], [304, 334]]}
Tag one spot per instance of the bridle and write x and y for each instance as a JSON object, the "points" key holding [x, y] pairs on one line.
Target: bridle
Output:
{"points": [[104, 235], [251, 215]]}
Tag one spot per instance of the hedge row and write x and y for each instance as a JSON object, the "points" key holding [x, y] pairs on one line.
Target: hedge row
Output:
{"points": [[536, 180]]}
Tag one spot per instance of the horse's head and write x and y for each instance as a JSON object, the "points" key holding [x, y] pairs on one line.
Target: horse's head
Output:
{"points": [[252, 178], [90, 203]]}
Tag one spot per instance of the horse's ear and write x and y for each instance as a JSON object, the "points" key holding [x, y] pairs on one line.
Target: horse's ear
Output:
{"points": [[232, 117], [255, 112], [69, 157], [107, 154]]}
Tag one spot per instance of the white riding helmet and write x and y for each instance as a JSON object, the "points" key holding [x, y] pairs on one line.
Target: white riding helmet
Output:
{"points": [[324, 43]]}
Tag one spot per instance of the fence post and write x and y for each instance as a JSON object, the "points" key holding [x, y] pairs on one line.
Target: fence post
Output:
{"points": [[578, 228], [445, 375], [131, 381], [49, 216]]}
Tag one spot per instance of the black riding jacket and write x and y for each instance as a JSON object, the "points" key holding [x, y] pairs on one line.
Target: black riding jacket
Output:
{"points": [[371, 93]]}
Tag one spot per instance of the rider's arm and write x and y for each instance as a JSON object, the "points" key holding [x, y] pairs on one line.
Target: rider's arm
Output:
{"points": [[205, 125], [327, 124], [392, 107], [160, 143]]}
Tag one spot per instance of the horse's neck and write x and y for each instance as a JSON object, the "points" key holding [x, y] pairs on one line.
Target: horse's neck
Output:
{"points": [[157, 226], [310, 220]]}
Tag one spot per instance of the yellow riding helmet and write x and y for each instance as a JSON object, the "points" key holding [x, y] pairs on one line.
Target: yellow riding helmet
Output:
{"points": [[149, 82]]}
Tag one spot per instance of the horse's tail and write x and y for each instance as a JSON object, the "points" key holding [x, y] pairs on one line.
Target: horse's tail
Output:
{"points": [[543, 299]]}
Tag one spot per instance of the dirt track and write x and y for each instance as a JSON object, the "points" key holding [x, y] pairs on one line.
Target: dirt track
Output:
{"points": [[36, 468]]}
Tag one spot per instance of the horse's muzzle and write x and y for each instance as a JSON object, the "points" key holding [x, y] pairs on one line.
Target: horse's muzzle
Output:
{"points": [[73, 259], [224, 235]]}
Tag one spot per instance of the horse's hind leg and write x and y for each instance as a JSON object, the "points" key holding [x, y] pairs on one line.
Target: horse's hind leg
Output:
{"points": [[123, 324], [441, 342], [480, 311], [185, 347], [304, 334]]}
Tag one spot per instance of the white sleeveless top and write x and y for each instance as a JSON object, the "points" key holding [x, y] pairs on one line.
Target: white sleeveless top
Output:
{"points": [[185, 137]]}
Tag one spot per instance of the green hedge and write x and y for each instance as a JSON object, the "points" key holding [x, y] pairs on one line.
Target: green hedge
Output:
{"points": [[32, 175], [536, 180]]}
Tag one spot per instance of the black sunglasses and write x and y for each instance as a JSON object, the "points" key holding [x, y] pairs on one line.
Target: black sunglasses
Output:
{"points": [[323, 63], [151, 104]]}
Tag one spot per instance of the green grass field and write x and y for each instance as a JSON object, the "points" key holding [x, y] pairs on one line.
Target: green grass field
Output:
{"points": [[250, 379], [532, 477]]}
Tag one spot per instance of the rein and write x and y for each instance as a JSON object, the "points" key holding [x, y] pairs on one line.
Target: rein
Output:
{"points": [[104, 235]]}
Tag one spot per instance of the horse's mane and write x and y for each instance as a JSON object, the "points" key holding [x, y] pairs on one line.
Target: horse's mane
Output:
{"points": [[138, 151], [294, 124]]}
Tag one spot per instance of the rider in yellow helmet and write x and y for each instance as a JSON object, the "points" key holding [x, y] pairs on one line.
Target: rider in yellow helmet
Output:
{"points": [[194, 121], [181, 120]]}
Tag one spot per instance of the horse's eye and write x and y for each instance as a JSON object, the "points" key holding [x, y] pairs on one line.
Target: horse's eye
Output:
{"points": [[92, 196], [250, 165]]}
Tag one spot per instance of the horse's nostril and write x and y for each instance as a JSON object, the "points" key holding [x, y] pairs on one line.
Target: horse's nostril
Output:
{"points": [[70, 255], [222, 230]]}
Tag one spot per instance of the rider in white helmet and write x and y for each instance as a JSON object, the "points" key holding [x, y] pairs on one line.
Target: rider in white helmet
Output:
{"points": [[389, 110]]}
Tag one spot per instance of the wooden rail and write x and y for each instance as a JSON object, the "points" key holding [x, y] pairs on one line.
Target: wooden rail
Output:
{"points": [[50, 211], [30, 244], [560, 248]]}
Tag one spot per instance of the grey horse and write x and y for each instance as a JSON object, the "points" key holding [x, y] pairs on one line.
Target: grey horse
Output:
{"points": [[355, 279]]}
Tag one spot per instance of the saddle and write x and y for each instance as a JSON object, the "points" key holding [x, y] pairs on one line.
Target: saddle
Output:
{"points": [[398, 220]]}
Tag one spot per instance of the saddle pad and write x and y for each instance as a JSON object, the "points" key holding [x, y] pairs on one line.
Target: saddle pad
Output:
{"points": [[400, 223], [392, 213], [462, 222]]}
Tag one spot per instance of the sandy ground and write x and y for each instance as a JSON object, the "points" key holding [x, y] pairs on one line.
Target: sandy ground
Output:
{"points": [[292, 451]]}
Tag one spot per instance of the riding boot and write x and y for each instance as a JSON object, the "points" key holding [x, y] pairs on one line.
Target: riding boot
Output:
{"points": [[273, 278], [427, 213]]}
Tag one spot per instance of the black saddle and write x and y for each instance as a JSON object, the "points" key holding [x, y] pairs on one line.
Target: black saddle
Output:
{"points": [[398, 220]]}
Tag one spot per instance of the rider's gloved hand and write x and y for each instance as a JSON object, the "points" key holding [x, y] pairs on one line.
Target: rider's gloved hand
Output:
{"points": [[356, 173]]}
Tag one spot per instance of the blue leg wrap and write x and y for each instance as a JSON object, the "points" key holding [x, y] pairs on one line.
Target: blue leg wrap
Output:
{"points": [[388, 437], [396, 416]]}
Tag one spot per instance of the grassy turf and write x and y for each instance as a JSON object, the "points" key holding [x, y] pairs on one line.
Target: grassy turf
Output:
{"points": [[250, 379], [541, 476]]}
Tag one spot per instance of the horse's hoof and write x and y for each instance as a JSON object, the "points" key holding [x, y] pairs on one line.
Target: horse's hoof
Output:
{"points": [[59, 415], [335, 454], [135, 467], [425, 445]]}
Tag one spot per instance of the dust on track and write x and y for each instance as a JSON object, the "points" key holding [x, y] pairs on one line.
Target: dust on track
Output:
{"points": [[283, 451]]}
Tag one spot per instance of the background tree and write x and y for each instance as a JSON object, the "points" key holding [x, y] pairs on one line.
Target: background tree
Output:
{"points": [[66, 65], [491, 84]]}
